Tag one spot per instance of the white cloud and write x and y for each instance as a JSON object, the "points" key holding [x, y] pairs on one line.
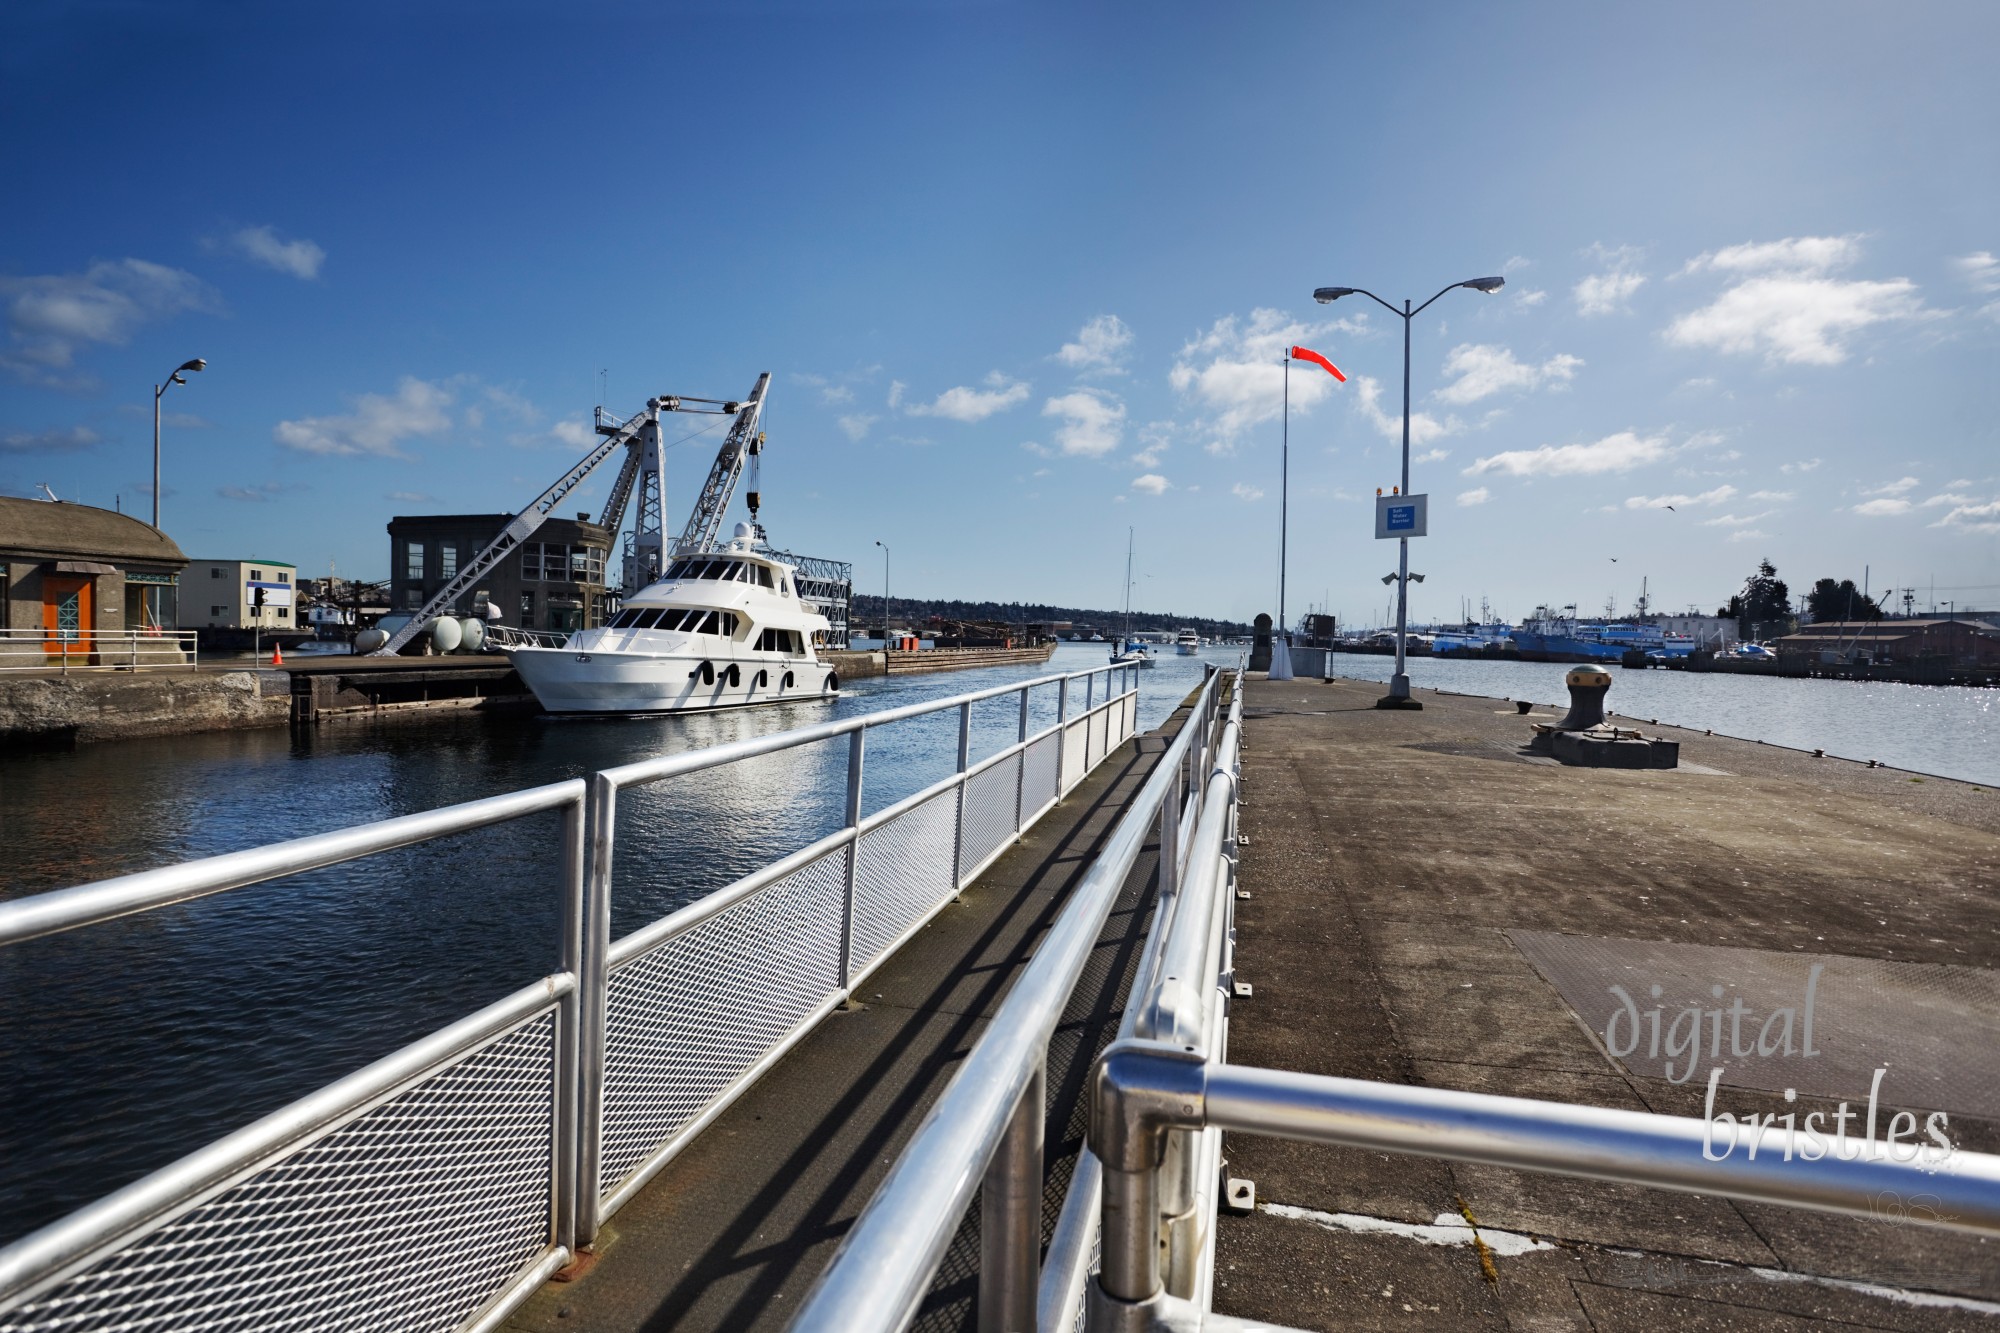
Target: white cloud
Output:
{"points": [[255, 493], [1155, 438], [573, 433], [1790, 469], [1531, 296], [968, 404], [1038, 450], [1734, 520], [1482, 370], [1948, 498], [1771, 495], [1423, 426], [1749, 535], [896, 388], [1606, 293], [1516, 263], [1093, 422], [1235, 372], [1614, 453], [1903, 487], [1786, 303], [49, 441], [1152, 484], [1100, 347], [407, 497], [50, 315], [1244, 491], [1714, 497], [300, 258], [1980, 270], [1882, 508], [377, 426], [855, 427], [1479, 495], [1973, 517], [1432, 456]]}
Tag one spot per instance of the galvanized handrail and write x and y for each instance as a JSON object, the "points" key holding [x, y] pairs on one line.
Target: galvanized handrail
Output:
{"points": [[117, 650], [1180, 993], [602, 955], [987, 1125], [43, 1260], [571, 1002]]}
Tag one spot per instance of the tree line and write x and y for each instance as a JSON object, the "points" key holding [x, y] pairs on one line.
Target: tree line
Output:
{"points": [[1767, 600]]}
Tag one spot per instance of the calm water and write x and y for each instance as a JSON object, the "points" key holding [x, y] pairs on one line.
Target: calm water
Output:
{"points": [[129, 1044], [1946, 730]]}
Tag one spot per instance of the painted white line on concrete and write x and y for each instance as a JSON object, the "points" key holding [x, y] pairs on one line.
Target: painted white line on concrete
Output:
{"points": [[1448, 1229]]}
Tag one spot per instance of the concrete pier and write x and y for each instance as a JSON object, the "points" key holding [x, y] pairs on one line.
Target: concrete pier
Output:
{"points": [[1415, 880]]}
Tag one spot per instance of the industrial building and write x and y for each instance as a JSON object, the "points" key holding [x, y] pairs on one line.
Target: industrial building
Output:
{"points": [[554, 581]]}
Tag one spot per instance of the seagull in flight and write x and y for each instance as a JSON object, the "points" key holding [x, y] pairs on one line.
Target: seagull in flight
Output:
{"points": [[1672, 510]]}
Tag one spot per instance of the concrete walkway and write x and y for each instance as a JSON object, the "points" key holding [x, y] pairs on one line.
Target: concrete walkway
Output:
{"points": [[1403, 868], [733, 1233]]}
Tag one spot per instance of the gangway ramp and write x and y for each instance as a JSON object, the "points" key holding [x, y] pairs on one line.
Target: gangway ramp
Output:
{"points": [[737, 1228]]}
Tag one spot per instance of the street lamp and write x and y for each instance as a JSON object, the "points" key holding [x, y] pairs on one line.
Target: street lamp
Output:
{"points": [[885, 594], [1399, 684], [158, 390]]}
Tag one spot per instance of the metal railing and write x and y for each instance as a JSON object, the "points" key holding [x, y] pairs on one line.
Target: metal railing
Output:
{"points": [[30, 649], [986, 1131], [438, 1187]]}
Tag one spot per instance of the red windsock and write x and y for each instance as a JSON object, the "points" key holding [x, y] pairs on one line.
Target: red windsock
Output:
{"points": [[1308, 354]]}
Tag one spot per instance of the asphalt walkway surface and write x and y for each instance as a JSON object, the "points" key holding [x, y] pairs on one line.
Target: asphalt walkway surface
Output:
{"points": [[735, 1230], [1425, 896]]}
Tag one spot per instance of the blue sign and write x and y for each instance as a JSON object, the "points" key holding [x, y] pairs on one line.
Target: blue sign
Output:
{"points": [[1401, 515]]}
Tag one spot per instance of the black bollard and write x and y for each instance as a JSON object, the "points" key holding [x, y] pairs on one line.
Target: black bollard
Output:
{"points": [[1587, 687]]}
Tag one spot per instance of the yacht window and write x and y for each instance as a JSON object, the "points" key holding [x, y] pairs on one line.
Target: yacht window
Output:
{"points": [[669, 619], [764, 575], [678, 569], [734, 572], [650, 617], [623, 620], [729, 623], [707, 625], [714, 569]]}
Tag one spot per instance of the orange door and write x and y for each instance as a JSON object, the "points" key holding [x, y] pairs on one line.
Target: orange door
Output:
{"points": [[66, 614]]}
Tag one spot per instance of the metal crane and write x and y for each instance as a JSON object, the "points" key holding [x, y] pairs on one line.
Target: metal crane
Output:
{"points": [[644, 466]]}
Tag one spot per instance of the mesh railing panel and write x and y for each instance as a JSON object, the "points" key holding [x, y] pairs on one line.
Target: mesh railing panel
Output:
{"points": [[904, 871], [685, 1019], [1074, 766], [410, 1217], [1038, 775], [989, 813]]}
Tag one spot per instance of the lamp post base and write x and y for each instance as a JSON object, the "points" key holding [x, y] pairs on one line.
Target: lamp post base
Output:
{"points": [[1399, 695]]}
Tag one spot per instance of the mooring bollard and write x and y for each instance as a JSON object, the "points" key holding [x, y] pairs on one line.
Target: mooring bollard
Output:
{"points": [[1587, 687]]}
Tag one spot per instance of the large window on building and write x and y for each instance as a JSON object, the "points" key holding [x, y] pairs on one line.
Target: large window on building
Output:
{"points": [[413, 560], [448, 560]]}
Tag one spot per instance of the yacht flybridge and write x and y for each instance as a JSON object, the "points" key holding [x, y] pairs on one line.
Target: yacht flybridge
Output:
{"points": [[722, 629]]}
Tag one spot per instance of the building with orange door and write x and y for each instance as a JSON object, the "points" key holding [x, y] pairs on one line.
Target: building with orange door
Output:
{"points": [[75, 579]]}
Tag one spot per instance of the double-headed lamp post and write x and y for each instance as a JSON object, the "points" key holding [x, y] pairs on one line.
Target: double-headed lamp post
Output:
{"points": [[885, 594], [158, 391], [1399, 684]]}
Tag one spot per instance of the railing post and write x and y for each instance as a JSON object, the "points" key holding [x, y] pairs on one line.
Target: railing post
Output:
{"points": [[1010, 1218], [958, 826], [1021, 767], [856, 743], [1062, 733], [593, 987], [568, 1186]]}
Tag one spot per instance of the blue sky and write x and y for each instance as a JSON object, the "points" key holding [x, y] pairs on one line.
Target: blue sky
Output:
{"points": [[1022, 274]]}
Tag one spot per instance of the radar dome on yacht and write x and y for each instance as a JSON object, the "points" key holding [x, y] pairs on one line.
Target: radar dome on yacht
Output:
{"points": [[743, 530]]}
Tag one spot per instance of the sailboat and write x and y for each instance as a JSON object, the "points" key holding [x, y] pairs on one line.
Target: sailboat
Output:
{"points": [[1128, 652]]}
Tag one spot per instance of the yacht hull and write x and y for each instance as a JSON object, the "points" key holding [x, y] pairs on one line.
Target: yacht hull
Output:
{"points": [[567, 680]]}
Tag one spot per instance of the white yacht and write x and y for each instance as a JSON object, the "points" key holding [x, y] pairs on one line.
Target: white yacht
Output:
{"points": [[1187, 643], [723, 629]]}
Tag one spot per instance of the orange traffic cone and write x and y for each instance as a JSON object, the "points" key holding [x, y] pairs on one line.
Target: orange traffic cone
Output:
{"points": [[277, 654]]}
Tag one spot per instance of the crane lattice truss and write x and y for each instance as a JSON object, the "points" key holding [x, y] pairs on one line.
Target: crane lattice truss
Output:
{"points": [[826, 585]]}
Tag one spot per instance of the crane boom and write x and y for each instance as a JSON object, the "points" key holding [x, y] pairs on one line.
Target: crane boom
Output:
{"points": [[516, 532], [705, 523]]}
